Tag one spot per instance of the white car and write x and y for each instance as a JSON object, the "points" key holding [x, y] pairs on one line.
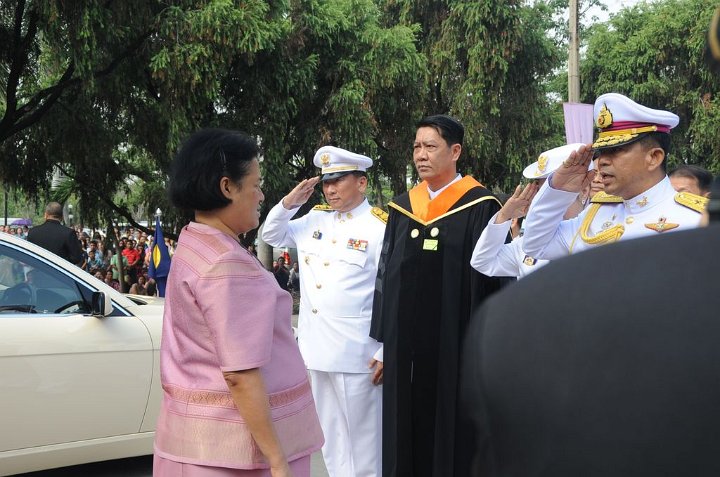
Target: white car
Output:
{"points": [[79, 364]]}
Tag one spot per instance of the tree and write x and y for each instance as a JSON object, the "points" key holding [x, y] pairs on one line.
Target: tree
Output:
{"points": [[655, 54]]}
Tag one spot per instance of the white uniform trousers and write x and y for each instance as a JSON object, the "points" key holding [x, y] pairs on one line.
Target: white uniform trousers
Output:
{"points": [[350, 411]]}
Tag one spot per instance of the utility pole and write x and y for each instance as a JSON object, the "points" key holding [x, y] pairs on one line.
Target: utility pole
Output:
{"points": [[574, 56]]}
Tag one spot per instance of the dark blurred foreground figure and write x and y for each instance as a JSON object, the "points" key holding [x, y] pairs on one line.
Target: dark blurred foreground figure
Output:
{"points": [[618, 377], [55, 237]]}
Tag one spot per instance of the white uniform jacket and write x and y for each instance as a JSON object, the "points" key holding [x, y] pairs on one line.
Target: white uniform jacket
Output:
{"points": [[338, 254], [608, 219], [495, 258]]}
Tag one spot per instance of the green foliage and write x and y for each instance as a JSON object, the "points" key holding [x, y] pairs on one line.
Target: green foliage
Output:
{"points": [[655, 54]]}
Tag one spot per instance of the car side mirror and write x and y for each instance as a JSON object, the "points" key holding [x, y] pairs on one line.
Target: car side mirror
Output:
{"points": [[101, 305]]}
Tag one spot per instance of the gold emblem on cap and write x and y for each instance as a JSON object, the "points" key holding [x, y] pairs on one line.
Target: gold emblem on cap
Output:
{"points": [[325, 159], [542, 164], [604, 119]]}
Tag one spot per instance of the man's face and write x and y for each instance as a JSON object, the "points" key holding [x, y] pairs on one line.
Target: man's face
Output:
{"points": [[346, 192], [686, 184], [626, 171], [434, 159]]}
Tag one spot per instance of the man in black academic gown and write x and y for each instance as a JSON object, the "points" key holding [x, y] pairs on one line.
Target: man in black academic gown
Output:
{"points": [[425, 293], [603, 364]]}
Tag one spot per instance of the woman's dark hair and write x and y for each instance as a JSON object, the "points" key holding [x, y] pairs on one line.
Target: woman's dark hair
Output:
{"points": [[203, 159], [448, 128]]}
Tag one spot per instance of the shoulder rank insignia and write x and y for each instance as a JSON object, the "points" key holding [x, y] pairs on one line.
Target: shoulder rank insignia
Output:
{"points": [[662, 225], [691, 201], [381, 215], [323, 207], [603, 198], [529, 261]]}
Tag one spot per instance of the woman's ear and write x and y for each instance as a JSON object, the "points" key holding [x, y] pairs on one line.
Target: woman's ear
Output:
{"points": [[225, 187]]}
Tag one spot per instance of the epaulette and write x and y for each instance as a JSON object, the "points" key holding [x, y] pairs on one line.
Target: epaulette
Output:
{"points": [[323, 207], [691, 201], [380, 214], [603, 198]]}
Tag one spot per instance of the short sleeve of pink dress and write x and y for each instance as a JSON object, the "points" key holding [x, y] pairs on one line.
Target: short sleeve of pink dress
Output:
{"points": [[225, 312]]}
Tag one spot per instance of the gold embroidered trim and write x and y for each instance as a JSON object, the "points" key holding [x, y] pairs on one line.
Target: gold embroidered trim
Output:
{"points": [[380, 214], [323, 207], [609, 235], [622, 132], [328, 170], [692, 201], [603, 198], [224, 399], [420, 221]]}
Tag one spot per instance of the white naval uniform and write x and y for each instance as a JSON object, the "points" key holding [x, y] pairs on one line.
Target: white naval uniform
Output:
{"points": [[655, 211], [338, 255], [495, 258]]}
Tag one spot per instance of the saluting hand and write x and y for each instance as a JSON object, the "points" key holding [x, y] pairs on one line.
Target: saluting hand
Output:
{"points": [[301, 193], [518, 204], [572, 174]]}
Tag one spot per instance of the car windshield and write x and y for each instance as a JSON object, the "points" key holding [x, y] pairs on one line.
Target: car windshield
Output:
{"points": [[28, 285]]}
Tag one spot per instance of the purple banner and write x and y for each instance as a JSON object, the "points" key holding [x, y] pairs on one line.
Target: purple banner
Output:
{"points": [[578, 122]]}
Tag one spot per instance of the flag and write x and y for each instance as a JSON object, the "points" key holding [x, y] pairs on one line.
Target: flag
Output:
{"points": [[160, 260]]}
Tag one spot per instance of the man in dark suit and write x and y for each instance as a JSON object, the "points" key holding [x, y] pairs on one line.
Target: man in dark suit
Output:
{"points": [[55, 237], [603, 364]]}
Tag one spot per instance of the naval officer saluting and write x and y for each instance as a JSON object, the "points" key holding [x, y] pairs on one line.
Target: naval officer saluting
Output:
{"points": [[639, 201], [339, 248]]}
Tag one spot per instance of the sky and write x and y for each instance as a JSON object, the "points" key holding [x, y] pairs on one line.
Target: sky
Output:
{"points": [[614, 6]]}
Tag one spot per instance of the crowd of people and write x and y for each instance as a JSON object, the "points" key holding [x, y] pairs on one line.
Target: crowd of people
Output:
{"points": [[95, 253]]}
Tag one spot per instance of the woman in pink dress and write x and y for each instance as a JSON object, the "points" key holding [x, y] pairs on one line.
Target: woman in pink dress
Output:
{"points": [[236, 397]]}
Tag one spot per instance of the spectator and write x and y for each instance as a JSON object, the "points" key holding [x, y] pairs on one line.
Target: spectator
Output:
{"points": [[691, 178], [111, 281], [139, 288], [55, 237], [281, 274], [294, 281]]}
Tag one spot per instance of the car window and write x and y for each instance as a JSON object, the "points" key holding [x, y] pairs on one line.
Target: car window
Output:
{"points": [[29, 285]]}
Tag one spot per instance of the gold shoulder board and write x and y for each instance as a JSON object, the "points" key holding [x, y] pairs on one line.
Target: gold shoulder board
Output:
{"points": [[691, 201], [380, 214], [323, 207], [603, 198]]}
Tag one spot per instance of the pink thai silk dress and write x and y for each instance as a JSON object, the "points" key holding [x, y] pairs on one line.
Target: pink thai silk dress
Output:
{"points": [[225, 312]]}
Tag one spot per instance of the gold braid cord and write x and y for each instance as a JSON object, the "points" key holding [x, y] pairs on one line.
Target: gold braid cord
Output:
{"points": [[610, 235]]}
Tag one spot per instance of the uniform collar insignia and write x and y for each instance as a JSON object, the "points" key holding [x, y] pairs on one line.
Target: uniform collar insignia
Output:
{"points": [[642, 202]]}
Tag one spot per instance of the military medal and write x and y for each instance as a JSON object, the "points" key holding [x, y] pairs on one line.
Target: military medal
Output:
{"points": [[317, 234], [360, 245], [661, 225]]}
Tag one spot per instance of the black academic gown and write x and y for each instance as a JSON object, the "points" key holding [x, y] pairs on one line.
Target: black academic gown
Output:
{"points": [[425, 294]]}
